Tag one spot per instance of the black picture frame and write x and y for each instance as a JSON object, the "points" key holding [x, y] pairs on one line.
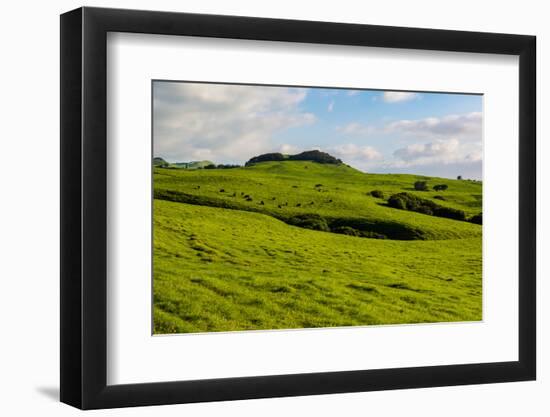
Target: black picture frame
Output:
{"points": [[84, 207]]}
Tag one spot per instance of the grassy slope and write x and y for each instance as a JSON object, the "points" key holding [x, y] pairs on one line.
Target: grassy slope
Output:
{"points": [[218, 270]]}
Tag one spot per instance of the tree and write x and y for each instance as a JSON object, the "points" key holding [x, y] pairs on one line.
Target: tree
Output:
{"points": [[421, 186], [459, 177], [477, 219], [440, 187], [377, 194]]}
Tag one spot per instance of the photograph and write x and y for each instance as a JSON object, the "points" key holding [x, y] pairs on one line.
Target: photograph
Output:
{"points": [[291, 207]]}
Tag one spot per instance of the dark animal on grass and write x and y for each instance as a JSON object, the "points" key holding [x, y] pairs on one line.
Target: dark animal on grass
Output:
{"points": [[299, 205], [222, 191], [440, 187]]}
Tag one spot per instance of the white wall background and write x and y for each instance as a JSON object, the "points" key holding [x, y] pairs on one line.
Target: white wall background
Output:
{"points": [[29, 213]]}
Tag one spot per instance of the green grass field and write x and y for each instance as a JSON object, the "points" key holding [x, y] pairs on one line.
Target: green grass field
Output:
{"points": [[227, 257]]}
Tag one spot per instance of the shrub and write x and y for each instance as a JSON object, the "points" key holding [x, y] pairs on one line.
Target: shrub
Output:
{"points": [[440, 187], [459, 177], [449, 213], [421, 186], [310, 221], [425, 210], [346, 230], [227, 166], [406, 201], [210, 166], [377, 194], [372, 235], [439, 197], [477, 219], [398, 201]]}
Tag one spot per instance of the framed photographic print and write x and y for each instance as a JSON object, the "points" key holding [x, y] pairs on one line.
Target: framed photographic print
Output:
{"points": [[258, 208]]}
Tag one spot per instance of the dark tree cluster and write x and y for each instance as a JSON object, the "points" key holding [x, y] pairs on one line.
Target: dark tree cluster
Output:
{"points": [[421, 186], [314, 156], [310, 221], [440, 187], [477, 219], [221, 166], [266, 157], [377, 194], [406, 201]]}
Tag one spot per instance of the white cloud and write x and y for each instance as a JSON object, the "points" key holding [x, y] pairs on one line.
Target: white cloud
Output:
{"points": [[351, 151], [330, 106], [398, 96], [447, 158], [441, 152], [224, 123], [356, 128], [360, 157], [466, 126]]}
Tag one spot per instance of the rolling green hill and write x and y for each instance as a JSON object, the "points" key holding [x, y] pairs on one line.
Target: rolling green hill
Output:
{"points": [[228, 254]]}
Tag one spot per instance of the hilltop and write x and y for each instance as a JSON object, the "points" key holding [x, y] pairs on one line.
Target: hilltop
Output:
{"points": [[313, 156]]}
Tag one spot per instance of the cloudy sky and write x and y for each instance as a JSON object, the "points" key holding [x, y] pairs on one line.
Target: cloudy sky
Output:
{"points": [[374, 131]]}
